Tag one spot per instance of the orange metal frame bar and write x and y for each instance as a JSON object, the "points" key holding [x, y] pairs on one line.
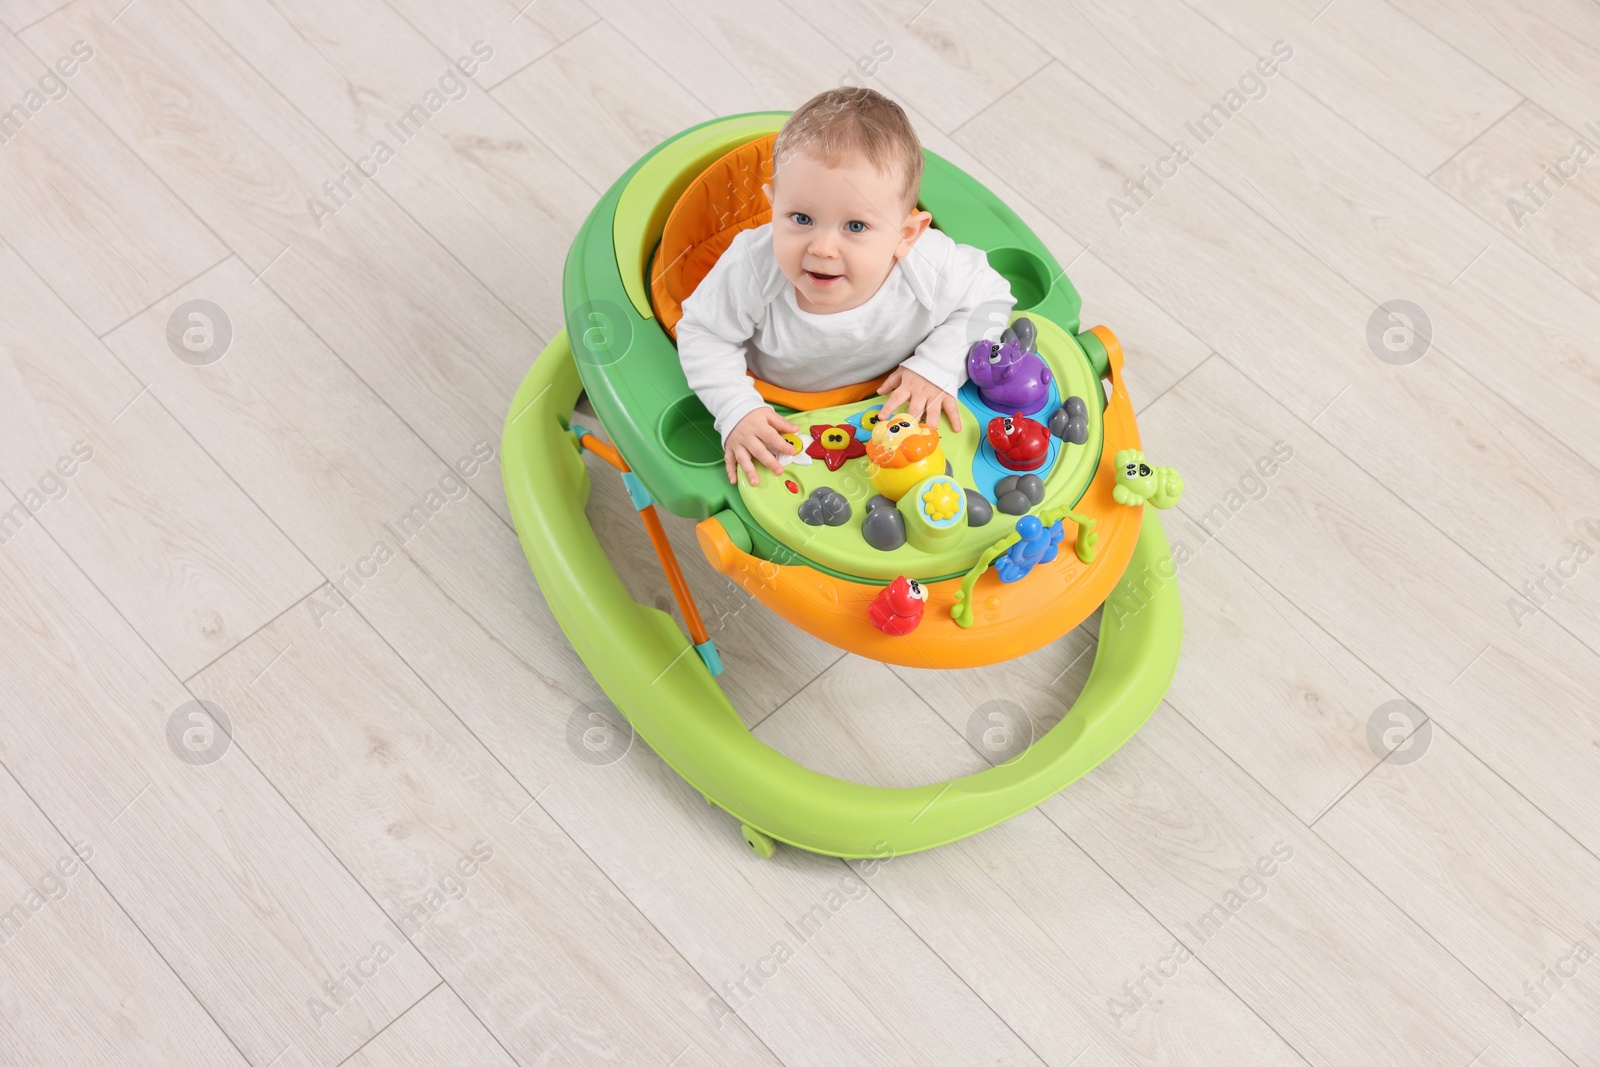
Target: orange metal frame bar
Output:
{"points": [[658, 538]]}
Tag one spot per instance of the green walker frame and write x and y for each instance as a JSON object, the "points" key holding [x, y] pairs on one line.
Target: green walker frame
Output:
{"points": [[646, 664]]}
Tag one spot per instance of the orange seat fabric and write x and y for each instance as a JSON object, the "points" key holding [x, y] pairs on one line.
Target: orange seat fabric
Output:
{"points": [[723, 201]]}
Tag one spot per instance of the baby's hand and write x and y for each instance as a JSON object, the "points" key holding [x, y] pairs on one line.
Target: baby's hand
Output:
{"points": [[919, 395], [758, 436]]}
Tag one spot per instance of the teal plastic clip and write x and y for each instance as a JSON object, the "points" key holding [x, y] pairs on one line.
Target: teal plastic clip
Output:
{"points": [[641, 496], [708, 653]]}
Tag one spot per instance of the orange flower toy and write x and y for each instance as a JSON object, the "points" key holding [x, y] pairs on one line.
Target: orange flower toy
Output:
{"points": [[900, 453]]}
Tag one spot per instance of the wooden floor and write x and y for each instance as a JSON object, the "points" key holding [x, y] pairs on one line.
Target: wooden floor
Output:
{"points": [[1363, 829]]}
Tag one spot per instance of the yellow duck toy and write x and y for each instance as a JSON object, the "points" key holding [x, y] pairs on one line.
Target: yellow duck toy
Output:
{"points": [[900, 453]]}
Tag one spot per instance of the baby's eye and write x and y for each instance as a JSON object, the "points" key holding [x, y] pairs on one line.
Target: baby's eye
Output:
{"points": [[853, 223], [800, 217]]}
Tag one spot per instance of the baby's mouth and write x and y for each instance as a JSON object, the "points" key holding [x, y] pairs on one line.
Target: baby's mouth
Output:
{"points": [[822, 279]]}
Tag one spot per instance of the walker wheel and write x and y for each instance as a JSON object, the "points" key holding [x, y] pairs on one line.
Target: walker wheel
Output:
{"points": [[759, 843]]}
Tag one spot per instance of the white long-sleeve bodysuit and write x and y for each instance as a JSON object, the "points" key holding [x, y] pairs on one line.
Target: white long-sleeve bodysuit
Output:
{"points": [[937, 300]]}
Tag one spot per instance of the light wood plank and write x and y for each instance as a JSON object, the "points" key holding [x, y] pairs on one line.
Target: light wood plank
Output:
{"points": [[438, 1029], [1259, 678], [80, 207], [369, 282], [1312, 947], [615, 101], [951, 60], [188, 558], [725, 55], [835, 726], [524, 31], [1487, 875], [300, 431], [1393, 590], [234, 150], [1545, 498], [1557, 217], [1548, 50], [1028, 921], [1389, 77], [81, 985], [228, 884], [15, 14], [477, 180], [465, 861]]}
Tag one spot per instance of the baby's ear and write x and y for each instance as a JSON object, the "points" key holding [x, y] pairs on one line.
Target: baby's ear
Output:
{"points": [[766, 190], [916, 225]]}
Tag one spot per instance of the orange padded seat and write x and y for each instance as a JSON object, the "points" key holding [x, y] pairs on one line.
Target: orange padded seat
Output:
{"points": [[725, 199]]}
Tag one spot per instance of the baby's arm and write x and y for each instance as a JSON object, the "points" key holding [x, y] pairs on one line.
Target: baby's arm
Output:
{"points": [[719, 317], [981, 305]]}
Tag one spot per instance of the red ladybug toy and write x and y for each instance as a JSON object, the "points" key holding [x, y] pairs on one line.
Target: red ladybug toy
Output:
{"points": [[898, 609], [1020, 443]]}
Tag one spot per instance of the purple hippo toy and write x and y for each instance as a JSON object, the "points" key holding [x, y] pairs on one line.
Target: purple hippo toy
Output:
{"points": [[1010, 376]]}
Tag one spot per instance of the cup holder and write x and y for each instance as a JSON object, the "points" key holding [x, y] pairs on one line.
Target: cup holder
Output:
{"points": [[1029, 278], [689, 433]]}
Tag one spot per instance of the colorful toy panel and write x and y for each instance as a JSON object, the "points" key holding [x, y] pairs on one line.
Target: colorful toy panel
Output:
{"points": [[876, 498]]}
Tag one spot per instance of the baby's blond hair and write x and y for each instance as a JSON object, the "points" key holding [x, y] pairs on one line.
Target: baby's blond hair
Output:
{"points": [[850, 123]]}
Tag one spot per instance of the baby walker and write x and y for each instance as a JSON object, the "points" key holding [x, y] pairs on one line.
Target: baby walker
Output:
{"points": [[883, 536]]}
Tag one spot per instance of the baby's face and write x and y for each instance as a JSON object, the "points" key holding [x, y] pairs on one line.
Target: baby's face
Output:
{"points": [[837, 232]]}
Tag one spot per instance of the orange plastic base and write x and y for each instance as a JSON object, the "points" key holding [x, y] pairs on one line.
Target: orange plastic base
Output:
{"points": [[1009, 620], [825, 398]]}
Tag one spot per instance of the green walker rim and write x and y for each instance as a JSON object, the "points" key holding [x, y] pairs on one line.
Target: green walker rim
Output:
{"points": [[640, 659]]}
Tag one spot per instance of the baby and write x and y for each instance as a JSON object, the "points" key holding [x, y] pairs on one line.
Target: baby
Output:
{"points": [[846, 282]]}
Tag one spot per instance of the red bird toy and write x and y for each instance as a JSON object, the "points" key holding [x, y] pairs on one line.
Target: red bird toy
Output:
{"points": [[898, 609], [1020, 443]]}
